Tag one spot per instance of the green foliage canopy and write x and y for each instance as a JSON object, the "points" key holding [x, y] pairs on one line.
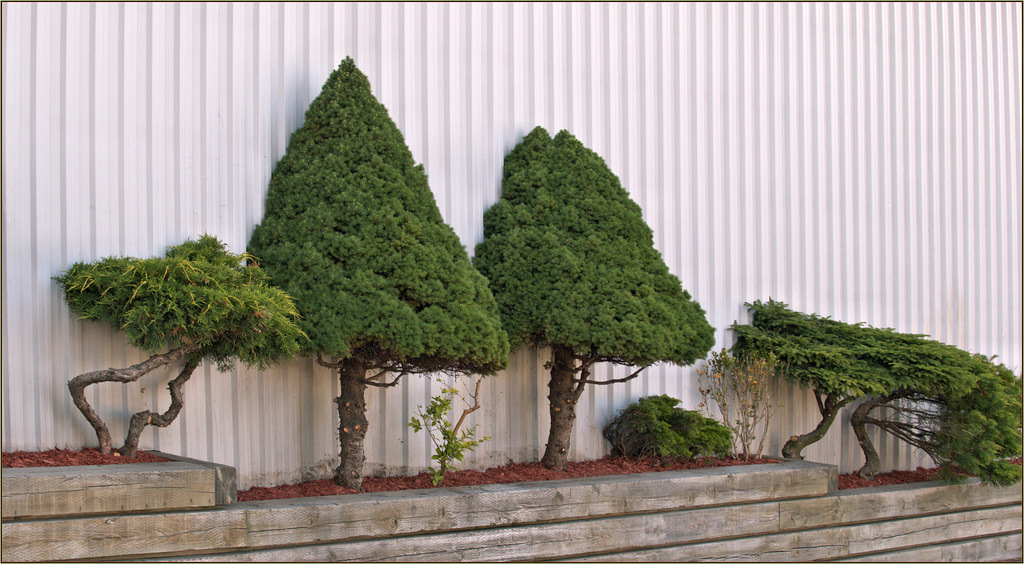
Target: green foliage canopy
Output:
{"points": [[198, 297], [571, 262], [654, 426], [352, 231], [963, 409]]}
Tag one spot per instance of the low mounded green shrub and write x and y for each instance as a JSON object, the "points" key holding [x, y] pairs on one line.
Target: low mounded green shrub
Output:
{"points": [[654, 426]]}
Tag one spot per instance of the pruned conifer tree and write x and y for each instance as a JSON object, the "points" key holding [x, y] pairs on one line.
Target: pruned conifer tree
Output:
{"points": [[573, 267], [384, 287], [198, 303]]}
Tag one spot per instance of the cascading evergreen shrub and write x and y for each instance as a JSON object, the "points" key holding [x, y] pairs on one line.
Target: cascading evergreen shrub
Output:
{"points": [[198, 303], [654, 427], [384, 286], [961, 409]]}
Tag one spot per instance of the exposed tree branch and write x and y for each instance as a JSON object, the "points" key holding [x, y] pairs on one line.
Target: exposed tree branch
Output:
{"points": [[78, 384], [614, 380], [370, 382], [140, 420], [817, 398], [320, 360], [476, 406]]}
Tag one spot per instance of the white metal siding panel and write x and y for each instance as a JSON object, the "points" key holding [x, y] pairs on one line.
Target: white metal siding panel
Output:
{"points": [[855, 160]]}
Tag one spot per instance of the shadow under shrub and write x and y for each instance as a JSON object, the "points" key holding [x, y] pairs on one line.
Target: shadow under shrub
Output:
{"points": [[655, 427]]}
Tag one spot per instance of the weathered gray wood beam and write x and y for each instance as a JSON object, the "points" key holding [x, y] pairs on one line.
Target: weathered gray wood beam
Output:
{"points": [[84, 490], [1001, 548], [840, 542], [529, 542], [184, 483], [353, 517], [872, 504]]}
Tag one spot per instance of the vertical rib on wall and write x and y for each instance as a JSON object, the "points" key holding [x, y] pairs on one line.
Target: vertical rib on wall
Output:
{"points": [[855, 160]]}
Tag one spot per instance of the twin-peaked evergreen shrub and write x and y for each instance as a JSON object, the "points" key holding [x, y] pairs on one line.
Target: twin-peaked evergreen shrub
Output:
{"points": [[383, 285], [572, 265]]}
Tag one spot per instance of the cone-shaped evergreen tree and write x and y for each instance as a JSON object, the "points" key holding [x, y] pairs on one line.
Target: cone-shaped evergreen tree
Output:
{"points": [[573, 266], [383, 285]]}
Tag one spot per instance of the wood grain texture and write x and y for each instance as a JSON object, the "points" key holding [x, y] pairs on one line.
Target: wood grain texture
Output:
{"points": [[528, 542], [83, 490], [871, 504], [351, 517], [1001, 548], [841, 542], [225, 477], [123, 536], [732, 514]]}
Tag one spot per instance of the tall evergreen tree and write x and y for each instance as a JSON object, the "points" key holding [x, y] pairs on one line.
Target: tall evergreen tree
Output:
{"points": [[383, 285], [573, 267]]}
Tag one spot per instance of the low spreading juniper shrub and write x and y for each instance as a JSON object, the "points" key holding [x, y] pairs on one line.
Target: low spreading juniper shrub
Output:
{"points": [[654, 427]]}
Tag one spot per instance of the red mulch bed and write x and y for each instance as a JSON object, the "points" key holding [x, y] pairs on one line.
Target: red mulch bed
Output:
{"points": [[512, 472], [60, 457], [850, 481]]}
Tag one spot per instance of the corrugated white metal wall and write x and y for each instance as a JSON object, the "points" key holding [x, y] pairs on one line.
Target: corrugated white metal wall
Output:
{"points": [[855, 160]]}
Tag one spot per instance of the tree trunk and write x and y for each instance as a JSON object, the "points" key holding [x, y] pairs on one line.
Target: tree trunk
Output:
{"points": [[859, 422], [143, 418], [796, 444], [78, 384], [352, 427], [562, 406]]}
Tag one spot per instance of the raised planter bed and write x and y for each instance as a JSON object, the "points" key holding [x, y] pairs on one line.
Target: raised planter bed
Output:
{"points": [[788, 511], [182, 483]]}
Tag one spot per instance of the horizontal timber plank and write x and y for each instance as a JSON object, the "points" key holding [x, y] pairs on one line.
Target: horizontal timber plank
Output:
{"points": [[116, 488], [225, 477], [1002, 548], [839, 542], [872, 504], [107, 537], [334, 519], [528, 542]]}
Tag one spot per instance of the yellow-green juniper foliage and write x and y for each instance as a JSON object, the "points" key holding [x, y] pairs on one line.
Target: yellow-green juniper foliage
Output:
{"points": [[198, 296], [572, 262], [353, 233]]}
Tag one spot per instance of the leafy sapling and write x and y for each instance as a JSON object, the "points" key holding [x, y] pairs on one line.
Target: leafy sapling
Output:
{"points": [[451, 442]]}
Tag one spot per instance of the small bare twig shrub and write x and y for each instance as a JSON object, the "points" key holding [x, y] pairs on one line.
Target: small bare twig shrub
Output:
{"points": [[744, 388]]}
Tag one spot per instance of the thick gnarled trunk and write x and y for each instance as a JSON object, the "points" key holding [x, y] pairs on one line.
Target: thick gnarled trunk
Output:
{"points": [[562, 407], [352, 426], [78, 384], [829, 409], [859, 420], [143, 418]]}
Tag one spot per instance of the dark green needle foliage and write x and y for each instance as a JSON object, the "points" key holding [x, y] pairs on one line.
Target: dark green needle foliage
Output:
{"points": [[961, 409], [198, 303], [573, 266], [352, 231], [654, 427]]}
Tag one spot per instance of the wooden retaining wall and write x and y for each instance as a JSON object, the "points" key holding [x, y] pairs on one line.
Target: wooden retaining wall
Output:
{"points": [[776, 512]]}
